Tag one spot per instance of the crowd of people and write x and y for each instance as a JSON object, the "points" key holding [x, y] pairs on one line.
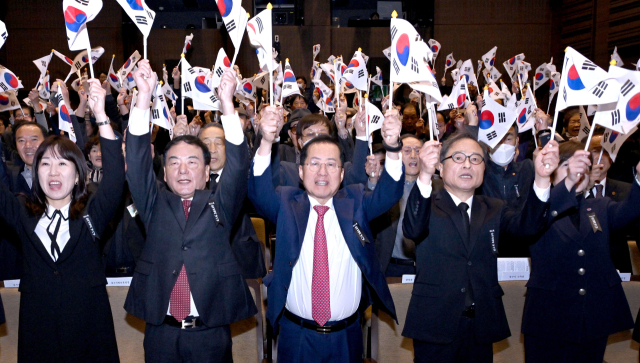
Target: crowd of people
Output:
{"points": [[347, 210]]}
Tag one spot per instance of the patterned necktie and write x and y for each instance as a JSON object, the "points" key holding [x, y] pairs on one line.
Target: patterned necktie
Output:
{"points": [[181, 294], [320, 295], [53, 234], [599, 189]]}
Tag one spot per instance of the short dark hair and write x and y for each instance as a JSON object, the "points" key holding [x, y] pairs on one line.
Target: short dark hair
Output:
{"points": [[18, 125], [303, 79], [211, 125], [291, 99], [411, 136], [191, 140], [313, 119], [378, 148], [321, 139], [568, 148], [66, 149], [459, 136], [93, 141]]}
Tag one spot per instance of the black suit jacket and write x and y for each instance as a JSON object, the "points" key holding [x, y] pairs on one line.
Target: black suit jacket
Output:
{"points": [[202, 243], [618, 245], [65, 315], [554, 308], [445, 267]]}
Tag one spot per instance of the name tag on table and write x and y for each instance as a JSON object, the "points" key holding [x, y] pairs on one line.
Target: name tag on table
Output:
{"points": [[408, 279], [132, 210], [625, 276], [111, 281]]}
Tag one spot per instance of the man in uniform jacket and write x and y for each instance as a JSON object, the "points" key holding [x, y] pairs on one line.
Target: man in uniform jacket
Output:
{"points": [[320, 229], [187, 285], [456, 309]]}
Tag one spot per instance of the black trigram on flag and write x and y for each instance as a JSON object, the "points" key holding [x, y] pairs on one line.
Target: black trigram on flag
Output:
{"points": [[262, 80], [213, 98], [191, 71], [501, 117], [394, 31], [231, 25], [375, 119], [414, 65], [141, 20], [627, 87], [83, 2], [150, 15], [484, 103], [588, 66], [4, 35], [160, 98], [44, 64], [395, 66], [586, 130], [155, 114], [451, 105], [615, 117], [286, 87], [187, 87], [259, 22], [361, 73], [467, 69], [564, 94], [598, 91], [526, 101], [78, 65], [4, 86], [492, 135], [219, 72]]}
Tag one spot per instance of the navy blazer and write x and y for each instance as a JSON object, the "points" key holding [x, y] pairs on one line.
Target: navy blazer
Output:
{"points": [[289, 208], [554, 308], [445, 267], [202, 243]]}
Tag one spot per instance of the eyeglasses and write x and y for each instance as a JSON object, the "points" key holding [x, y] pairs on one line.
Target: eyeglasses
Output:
{"points": [[312, 134], [407, 150], [315, 166], [459, 157]]}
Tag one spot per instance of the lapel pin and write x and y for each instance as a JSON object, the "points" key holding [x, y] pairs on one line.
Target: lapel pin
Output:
{"points": [[588, 209]]}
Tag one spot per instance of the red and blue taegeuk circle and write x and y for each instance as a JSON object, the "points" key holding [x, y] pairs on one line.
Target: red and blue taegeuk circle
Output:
{"points": [[448, 63], [201, 86], [226, 62], [135, 4], [573, 79], [539, 76], [113, 77], [225, 7], [74, 18], [11, 80], [460, 99], [434, 48], [289, 77], [4, 100], [403, 48], [64, 113], [633, 108], [552, 85], [521, 117], [130, 77], [354, 63], [247, 87], [486, 119]]}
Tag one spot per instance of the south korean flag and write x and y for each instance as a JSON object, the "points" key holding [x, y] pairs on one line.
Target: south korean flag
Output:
{"points": [[139, 13], [623, 114], [612, 141], [542, 75], [127, 67], [77, 13], [8, 80], [458, 97], [526, 108], [584, 83], [494, 122], [160, 114], [235, 19], [356, 72], [407, 53], [512, 63], [374, 117], [435, 48], [466, 71], [489, 58], [3, 33], [222, 63]]}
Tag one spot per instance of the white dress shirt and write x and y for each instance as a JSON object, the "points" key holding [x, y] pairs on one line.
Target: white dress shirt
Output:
{"points": [[425, 191], [345, 277], [139, 125], [63, 233]]}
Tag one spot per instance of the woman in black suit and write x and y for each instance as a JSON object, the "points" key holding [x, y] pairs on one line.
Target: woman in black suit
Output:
{"points": [[65, 314], [574, 297]]}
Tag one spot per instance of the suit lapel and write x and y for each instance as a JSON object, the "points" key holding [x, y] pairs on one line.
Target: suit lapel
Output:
{"points": [[443, 201], [301, 208], [174, 204], [75, 229], [345, 214], [200, 199], [30, 225], [478, 213]]}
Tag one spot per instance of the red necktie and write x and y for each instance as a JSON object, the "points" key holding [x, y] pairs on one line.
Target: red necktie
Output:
{"points": [[320, 295], [181, 294]]}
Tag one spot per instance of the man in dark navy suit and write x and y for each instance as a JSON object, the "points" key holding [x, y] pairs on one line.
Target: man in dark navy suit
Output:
{"points": [[456, 309], [325, 271]]}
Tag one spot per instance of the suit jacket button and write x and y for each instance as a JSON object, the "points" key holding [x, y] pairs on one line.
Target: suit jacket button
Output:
{"points": [[582, 291], [56, 273], [289, 263], [463, 289], [185, 248], [469, 263], [580, 253], [554, 213], [581, 271], [175, 272]]}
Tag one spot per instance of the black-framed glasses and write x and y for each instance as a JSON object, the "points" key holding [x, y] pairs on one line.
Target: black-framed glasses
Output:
{"points": [[459, 157], [331, 166]]}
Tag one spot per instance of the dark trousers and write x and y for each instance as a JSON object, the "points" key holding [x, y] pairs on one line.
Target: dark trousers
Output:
{"points": [[297, 344], [168, 344], [538, 349], [463, 349], [397, 270]]}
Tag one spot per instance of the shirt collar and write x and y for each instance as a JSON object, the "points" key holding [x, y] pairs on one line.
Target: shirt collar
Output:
{"points": [[64, 210], [457, 200], [314, 202]]}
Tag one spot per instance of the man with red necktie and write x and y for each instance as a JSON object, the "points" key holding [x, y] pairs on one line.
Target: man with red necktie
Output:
{"points": [[325, 272], [187, 285]]}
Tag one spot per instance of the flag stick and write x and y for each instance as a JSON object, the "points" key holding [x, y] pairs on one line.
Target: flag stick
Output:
{"points": [[555, 121], [22, 112], [586, 145], [549, 106], [182, 86], [90, 60], [600, 157], [431, 123], [145, 47], [271, 87], [533, 132]]}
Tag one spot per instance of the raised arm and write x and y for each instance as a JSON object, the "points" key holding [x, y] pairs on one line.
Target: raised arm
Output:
{"points": [[357, 172], [232, 188], [623, 213], [140, 175], [9, 204]]}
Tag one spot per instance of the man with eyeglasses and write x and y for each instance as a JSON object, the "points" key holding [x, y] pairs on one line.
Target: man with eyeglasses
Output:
{"points": [[325, 271], [396, 253], [456, 309]]}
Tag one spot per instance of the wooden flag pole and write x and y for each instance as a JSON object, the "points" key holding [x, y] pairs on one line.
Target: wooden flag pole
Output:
{"points": [[182, 86]]}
